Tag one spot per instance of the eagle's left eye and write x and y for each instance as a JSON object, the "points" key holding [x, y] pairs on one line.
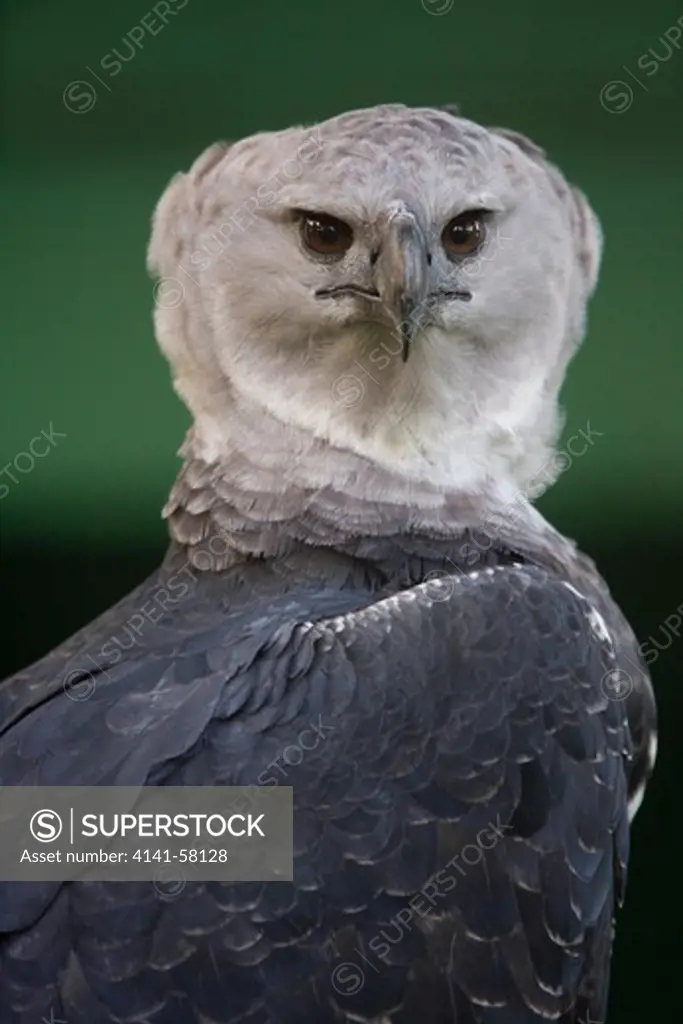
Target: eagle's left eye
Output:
{"points": [[325, 235], [463, 234]]}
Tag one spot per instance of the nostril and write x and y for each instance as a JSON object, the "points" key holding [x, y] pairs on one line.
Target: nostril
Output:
{"points": [[374, 256], [429, 259]]}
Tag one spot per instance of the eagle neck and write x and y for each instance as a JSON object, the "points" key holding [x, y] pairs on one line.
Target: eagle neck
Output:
{"points": [[227, 510]]}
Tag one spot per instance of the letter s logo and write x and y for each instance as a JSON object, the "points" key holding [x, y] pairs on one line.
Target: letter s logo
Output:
{"points": [[46, 826]]}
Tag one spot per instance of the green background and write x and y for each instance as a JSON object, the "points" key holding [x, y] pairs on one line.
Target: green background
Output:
{"points": [[78, 190]]}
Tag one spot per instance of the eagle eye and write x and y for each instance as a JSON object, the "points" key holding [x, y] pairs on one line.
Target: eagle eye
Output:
{"points": [[464, 233], [325, 235]]}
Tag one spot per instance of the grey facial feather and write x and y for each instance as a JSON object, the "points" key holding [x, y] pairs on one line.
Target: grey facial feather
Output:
{"points": [[240, 318]]}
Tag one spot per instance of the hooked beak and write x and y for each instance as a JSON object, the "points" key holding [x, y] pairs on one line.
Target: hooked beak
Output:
{"points": [[403, 274], [402, 278]]}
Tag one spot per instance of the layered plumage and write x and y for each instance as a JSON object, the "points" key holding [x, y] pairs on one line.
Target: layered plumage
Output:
{"points": [[461, 800]]}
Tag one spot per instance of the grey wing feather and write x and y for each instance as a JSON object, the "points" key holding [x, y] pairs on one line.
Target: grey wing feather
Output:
{"points": [[469, 764]]}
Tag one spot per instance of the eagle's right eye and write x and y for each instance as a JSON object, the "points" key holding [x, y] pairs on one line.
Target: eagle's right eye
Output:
{"points": [[325, 235], [464, 234]]}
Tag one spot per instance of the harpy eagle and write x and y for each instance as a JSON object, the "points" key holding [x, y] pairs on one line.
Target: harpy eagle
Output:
{"points": [[370, 321]]}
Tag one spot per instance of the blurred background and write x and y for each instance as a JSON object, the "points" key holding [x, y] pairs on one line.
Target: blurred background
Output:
{"points": [[102, 103]]}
